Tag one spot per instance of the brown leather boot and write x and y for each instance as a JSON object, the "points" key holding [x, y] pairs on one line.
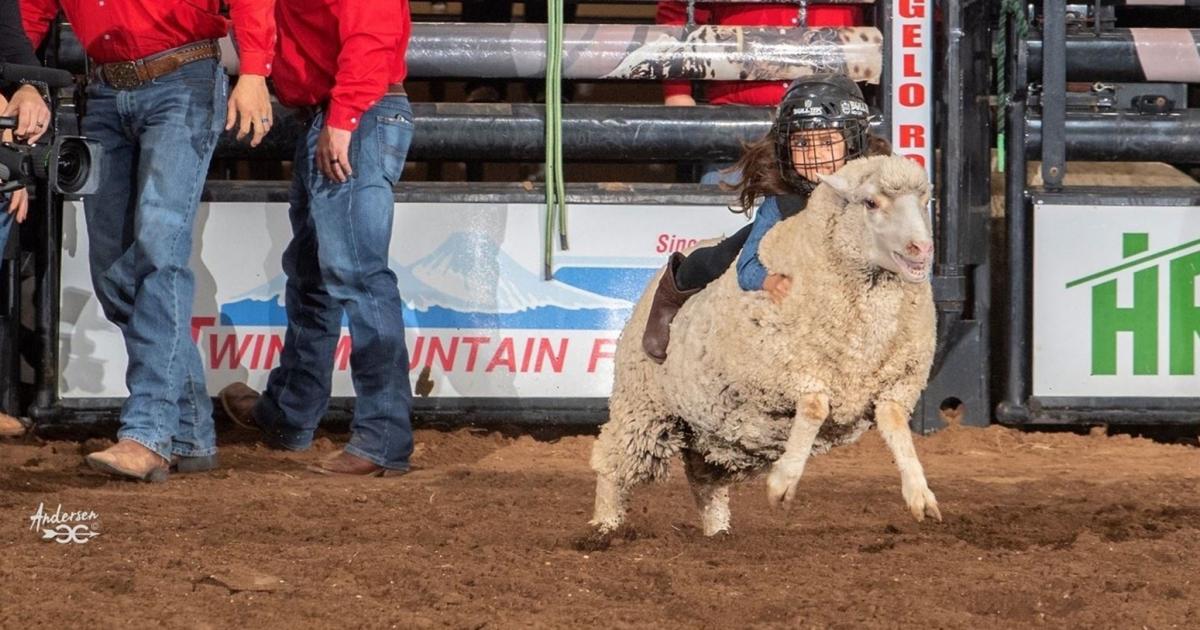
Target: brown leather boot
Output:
{"points": [[238, 400], [127, 458], [667, 301], [10, 426], [344, 463]]}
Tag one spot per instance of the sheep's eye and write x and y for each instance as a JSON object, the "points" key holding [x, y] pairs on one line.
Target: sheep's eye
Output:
{"points": [[871, 204]]}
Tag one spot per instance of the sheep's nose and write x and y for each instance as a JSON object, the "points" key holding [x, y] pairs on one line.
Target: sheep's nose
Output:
{"points": [[922, 249]]}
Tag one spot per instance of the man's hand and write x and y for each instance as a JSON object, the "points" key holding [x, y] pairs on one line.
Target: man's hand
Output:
{"points": [[33, 117], [777, 286], [18, 204], [333, 153], [680, 100], [250, 103]]}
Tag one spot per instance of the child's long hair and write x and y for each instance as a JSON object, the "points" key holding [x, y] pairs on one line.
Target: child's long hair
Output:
{"points": [[760, 170]]}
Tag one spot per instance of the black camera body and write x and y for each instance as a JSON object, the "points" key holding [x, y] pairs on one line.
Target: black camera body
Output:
{"points": [[68, 163]]}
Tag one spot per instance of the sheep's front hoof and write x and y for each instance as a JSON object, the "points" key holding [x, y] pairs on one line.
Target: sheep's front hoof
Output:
{"points": [[602, 538], [594, 540], [781, 486], [922, 503]]}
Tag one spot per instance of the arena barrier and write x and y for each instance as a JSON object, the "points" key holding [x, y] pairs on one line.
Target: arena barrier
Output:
{"points": [[1137, 55], [489, 340], [622, 51], [1103, 316], [516, 132]]}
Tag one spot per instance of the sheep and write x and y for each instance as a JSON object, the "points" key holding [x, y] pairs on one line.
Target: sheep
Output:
{"points": [[749, 384]]}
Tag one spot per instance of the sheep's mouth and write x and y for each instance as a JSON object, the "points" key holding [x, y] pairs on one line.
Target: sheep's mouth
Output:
{"points": [[912, 269]]}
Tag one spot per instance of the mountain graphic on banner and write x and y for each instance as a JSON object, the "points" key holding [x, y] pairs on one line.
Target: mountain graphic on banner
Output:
{"points": [[469, 281], [471, 273]]}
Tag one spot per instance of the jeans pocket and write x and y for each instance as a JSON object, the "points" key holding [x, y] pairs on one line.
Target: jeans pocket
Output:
{"points": [[394, 134]]}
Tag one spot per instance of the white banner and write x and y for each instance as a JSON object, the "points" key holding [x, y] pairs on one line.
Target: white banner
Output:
{"points": [[912, 80], [478, 314], [1115, 309]]}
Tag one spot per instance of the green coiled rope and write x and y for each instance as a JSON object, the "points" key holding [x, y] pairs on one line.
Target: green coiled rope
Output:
{"points": [[1016, 9]]}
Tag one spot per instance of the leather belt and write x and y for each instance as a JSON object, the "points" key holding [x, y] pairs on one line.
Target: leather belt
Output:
{"points": [[126, 75], [306, 113]]}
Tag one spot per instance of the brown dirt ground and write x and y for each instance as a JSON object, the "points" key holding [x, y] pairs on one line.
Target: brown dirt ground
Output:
{"points": [[1055, 530]]}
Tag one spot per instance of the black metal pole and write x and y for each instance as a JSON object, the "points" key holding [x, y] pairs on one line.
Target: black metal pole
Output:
{"points": [[1054, 93], [1125, 137], [47, 295], [1016, 384], [950, 184], [1113, 56], [458, 131]]}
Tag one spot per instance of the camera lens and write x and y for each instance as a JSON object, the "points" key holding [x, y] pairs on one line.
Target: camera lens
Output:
{"points": [[74, 163]]}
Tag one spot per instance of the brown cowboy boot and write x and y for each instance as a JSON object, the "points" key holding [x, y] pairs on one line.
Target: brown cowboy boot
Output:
{"points": [[238, 400], [344, 463], [10, 426], [130, 459], [667, 301]]}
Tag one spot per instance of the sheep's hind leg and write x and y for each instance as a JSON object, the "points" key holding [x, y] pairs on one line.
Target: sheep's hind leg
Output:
{"points": [[811, 413], [633, 448], [710, 487], [892, 421]]}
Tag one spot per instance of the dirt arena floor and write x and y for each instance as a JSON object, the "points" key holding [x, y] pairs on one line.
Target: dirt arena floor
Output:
{"points": [[1053, 530]]}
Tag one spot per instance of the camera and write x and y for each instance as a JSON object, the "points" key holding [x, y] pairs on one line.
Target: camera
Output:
{"points": [[69, 163]]}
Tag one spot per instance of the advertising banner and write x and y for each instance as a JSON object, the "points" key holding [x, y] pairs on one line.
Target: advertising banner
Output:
{"points": [[480, 319]]}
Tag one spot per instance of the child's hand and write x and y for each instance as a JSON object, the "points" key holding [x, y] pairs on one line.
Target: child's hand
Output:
{"points": [[777, 286]]}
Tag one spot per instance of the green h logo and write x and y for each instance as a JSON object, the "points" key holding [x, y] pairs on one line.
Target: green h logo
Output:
{"points": [[1142, 318]]}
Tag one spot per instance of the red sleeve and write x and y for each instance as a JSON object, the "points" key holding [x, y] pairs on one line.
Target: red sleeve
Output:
{"points": [[36, 17], [254, 29], [371, 31]]}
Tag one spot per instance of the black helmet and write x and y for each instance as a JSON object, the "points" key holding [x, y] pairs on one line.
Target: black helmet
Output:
{"points": [[819, 101]]}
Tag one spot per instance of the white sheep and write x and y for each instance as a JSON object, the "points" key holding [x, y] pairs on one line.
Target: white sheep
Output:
{"points": [[749, 384]]}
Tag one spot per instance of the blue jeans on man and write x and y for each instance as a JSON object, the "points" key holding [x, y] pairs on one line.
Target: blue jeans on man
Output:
{"points": [[158, 139], [337, 263]]}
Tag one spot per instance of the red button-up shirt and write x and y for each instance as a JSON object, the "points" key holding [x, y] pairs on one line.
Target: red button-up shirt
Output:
{"points": [[345, 52], [759, 93], [125, 30]]}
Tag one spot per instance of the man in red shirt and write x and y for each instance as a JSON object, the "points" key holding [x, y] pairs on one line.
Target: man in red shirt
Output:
{"points": [[341, 62], [156, 102]]}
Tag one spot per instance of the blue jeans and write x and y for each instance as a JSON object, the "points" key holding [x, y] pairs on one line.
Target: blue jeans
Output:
{"points": [[6, 222], [158, 139], [337, 263]]}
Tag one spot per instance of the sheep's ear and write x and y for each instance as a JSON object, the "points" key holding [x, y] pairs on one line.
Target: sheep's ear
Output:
{"points": [[838, 183]]}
